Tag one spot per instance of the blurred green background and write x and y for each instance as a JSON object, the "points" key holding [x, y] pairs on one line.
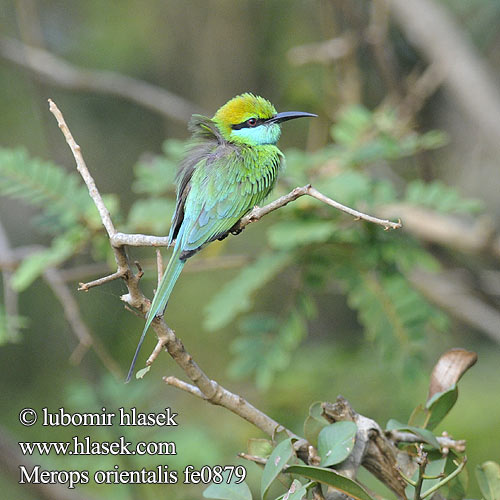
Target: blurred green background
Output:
{"points": [[206, 52]]}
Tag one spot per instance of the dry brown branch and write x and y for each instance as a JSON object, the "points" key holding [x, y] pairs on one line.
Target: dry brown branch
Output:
{"points": [[234, 403], [56, 71], [431, 28], [258, 212]]}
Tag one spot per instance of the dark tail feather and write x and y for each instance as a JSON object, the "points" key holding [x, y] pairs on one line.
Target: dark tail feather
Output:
{"points": [[160, 300]]}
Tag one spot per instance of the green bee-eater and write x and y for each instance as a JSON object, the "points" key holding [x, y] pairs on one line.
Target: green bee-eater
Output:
{"points": [[231, 166]]}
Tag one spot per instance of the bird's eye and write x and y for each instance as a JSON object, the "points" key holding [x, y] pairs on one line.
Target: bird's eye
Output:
{"points": [[252, 122]]}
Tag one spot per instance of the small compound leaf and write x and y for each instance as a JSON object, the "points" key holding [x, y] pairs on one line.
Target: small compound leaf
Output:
{"points": [[426, 435], [228, 491], [488, 477], [259, 447], [142, 372], [335, 442], [275, 463], [439, 405], [331, 478], [434, 468]]}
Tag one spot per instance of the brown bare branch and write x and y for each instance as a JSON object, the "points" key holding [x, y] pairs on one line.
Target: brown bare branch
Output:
{"points": [[234, 403]]}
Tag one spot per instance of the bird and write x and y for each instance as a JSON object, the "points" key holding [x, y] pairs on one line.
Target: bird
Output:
{"points": [[230, 167]]}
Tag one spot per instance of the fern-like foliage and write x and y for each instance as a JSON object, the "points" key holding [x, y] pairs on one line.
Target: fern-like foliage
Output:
{"points": [[61, 196], [65, 209]]}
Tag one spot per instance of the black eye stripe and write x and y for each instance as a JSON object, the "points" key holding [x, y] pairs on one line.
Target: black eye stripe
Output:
{"points": [[245, 124]]}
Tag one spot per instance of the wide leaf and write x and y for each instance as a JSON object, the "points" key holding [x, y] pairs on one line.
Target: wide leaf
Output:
{"points": [[331, 478], [488, 477], [335, 442], [439, 406], [314, 423], [275, 463]]}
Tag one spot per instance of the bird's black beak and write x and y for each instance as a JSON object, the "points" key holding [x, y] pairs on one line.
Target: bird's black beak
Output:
{"points": [[289, 115]]}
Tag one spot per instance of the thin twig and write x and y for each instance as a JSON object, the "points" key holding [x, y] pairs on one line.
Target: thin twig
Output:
{"points": [[422, 464], [84, 287], [447, 479], [444, 441], [159, 265], [222, 397], [142, 240], [83, 170]]}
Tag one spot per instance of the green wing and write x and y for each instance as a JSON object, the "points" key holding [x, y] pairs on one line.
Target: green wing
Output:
{"points": [[223, 189]]}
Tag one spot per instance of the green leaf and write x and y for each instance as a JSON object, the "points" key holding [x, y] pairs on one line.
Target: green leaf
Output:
{"points": [[259, 447], [297, 491], [235, 296], [335, 442], [275, 463], [424, 434], [314, 423], [62, 196], [488, 478], [434, 468], [228, 491], [439, 406], [418, 416], [331, 478], [142, 372]]}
